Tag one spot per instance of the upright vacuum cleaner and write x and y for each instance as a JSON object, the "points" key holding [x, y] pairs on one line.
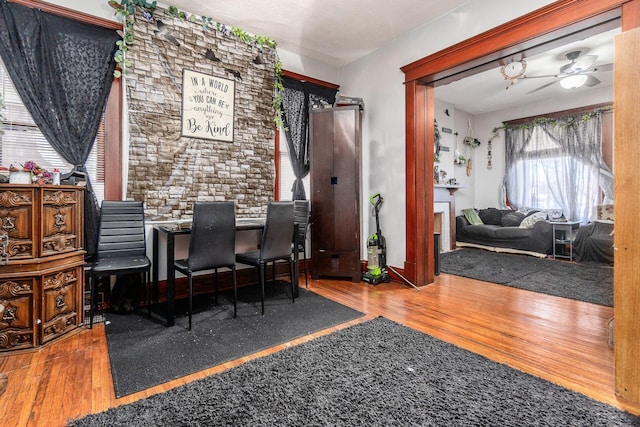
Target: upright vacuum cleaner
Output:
{"points": [[376, 250], [377, 253]]}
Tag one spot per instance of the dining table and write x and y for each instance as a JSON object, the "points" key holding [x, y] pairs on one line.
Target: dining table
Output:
{"points": [[179, 228]]}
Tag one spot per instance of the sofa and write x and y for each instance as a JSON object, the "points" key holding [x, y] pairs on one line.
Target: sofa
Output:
{"points": [[503, 230], [594, 241]]}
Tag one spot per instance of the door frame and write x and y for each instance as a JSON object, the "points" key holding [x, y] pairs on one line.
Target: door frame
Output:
{"points": [[534, 30]]}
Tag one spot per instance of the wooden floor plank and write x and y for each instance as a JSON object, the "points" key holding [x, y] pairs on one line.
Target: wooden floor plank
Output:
{"points": [[561, 340]]}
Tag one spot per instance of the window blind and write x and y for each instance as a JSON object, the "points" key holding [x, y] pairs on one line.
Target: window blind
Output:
{"points": [[22, 140]]}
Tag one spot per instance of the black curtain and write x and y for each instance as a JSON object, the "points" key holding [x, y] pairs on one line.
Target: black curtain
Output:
{"points": [[297, 99], [63, 70]]}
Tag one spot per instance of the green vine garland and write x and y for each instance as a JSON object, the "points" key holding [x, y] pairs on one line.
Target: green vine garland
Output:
{"points": [[126, 10], [569, 120], [436, 141]]}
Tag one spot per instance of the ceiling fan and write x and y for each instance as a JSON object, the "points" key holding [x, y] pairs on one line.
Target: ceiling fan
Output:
{"points": [[578, 72]]}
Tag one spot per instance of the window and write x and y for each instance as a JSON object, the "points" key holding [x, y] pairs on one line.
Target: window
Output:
{"points": [[300, 95], [22, 140], [286, 176], [558, 165], [545, 182]]}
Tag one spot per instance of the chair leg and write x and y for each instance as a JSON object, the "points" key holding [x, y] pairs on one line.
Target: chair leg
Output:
{"points": [[262, 268], [304, 266], [147, 298], [273, 275], [190, 298], [291, 278], [215, 286], [235, 292]]}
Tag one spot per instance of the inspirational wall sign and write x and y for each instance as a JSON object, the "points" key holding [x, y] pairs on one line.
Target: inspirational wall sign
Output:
{"points": [[207, 106]]}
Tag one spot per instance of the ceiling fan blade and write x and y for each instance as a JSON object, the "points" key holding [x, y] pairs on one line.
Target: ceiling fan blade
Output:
{"points": [[584, 63], [592, 80], [542, 87], [603, 67], [539, 77]]}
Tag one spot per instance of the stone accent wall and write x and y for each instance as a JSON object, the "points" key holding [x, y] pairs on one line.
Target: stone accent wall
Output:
{"points": [[169, 172]]}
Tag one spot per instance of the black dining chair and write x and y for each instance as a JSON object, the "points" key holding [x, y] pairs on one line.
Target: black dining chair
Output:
{"points": [[122, 248], [301, 211], [275, 244], [211, 246]]}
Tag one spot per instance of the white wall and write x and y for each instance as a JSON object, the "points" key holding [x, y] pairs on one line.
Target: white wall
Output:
{"points": [[378, 80], [458, 122], [99, 8], [464, 196], [307, 66]]}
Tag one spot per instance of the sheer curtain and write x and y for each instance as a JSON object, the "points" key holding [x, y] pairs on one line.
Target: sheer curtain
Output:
{"points": [[557, 164], [63, 70], [297, 99]]}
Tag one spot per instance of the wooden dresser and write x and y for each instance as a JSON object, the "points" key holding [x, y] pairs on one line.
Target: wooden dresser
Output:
{"points": [[42, 267]]}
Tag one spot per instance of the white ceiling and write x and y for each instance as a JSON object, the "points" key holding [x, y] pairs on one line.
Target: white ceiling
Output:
{"points": [[486, 91], [335, 32]]}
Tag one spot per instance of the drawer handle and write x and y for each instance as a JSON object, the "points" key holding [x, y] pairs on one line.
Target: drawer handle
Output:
{"points": [[9, 223], [4, 243]]}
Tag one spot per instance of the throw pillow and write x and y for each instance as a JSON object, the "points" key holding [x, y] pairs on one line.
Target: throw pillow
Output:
{"points": [[512, 219], [472, 216], [604, 212], [524, 210], [530, 220], [491, 216]]}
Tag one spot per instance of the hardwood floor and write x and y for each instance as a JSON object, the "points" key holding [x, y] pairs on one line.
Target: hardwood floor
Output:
{"points": [[561, 340]]}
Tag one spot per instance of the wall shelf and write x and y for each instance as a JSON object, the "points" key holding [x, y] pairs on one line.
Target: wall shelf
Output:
{"points": [[452, 188]]}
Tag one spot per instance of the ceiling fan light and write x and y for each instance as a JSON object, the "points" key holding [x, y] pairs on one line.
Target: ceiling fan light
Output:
{"points": [[572, 82]]}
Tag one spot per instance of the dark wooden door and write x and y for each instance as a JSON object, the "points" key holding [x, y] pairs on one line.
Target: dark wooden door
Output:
{"points": [[335, 201]]}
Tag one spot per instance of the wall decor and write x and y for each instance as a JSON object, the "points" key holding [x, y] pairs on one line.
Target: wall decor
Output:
{"points": [[170, 171], [207, 106], [126, 11], [470, 139], [458, 158]]}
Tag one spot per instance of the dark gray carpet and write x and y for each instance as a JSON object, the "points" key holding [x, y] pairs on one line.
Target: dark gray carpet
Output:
{"points": [[588, 281], [377, 373], [144, 353]]}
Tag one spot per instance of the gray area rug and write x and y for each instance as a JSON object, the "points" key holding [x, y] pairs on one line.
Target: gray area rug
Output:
{"points": [[144, 353], [377, 373], [588, 281]]}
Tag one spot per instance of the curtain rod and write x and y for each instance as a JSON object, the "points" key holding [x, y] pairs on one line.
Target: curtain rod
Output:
{"points": [[557, 114]]}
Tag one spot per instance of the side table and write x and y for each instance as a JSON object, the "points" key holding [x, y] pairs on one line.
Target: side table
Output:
{"points": [[563, 234]]}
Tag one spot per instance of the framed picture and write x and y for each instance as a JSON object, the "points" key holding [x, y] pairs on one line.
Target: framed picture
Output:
{"points": [[207, 106]]}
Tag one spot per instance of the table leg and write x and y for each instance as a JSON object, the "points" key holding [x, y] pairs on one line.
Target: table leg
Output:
{"points": [[171, 280], [296, 267], [154, 267]]}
